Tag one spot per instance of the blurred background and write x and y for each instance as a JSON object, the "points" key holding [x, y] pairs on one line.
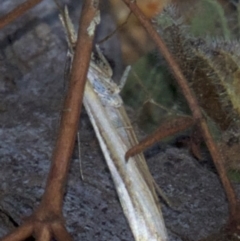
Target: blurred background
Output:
{"points": [[203, 38]]}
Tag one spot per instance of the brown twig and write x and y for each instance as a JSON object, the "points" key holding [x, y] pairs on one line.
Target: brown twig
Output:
{"points": [[168, 128], [118, 28], [17, 12], [192, 102], [47, 221]]}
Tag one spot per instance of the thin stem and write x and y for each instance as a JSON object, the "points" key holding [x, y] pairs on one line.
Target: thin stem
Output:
{"points": [[17, 12], [21, 233], [71, 112], [47, 221], [192, 102], [170, 127]]}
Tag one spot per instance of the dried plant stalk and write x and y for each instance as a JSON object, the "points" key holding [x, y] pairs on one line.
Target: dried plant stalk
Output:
{"points": [[133, 181], [47, 221], [17, 12]]}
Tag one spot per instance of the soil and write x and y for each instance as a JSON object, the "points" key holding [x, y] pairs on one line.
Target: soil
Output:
{"points": [[32, 88]]}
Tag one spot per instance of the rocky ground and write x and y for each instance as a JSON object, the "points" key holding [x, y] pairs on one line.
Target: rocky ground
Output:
{"points": [[32, 59]]}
